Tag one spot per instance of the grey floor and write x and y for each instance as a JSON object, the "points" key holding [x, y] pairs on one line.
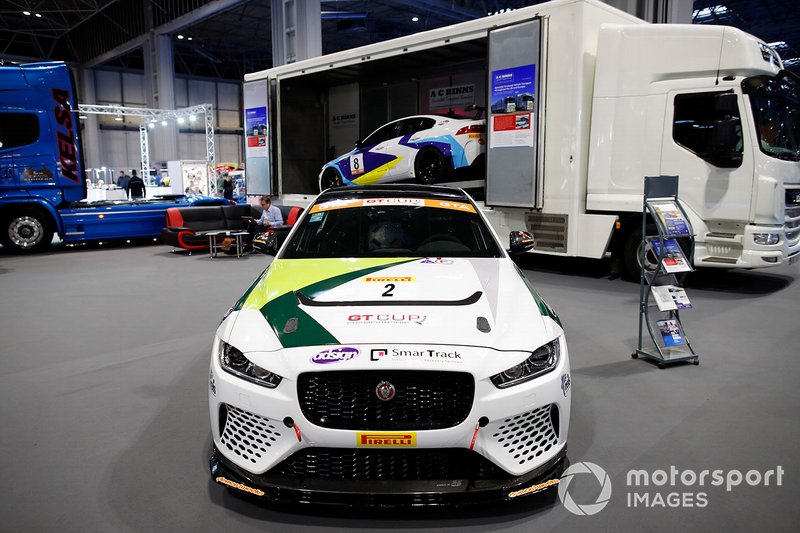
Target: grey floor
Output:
{"points": [[104, 417]]}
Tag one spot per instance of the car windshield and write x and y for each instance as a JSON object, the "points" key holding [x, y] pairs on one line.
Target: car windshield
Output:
{"points": [[392, 227], [777, 115]]}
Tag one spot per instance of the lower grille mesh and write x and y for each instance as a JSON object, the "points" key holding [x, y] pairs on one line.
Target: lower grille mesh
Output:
{"points": [[527, 436], [427, 464]]}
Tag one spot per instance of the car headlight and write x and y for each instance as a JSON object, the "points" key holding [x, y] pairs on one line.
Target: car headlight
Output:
{"points": [[541, 361], [235, 362]]}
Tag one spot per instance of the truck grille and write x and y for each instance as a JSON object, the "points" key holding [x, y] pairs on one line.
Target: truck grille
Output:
{"points": [[550, 231], [423, 400], [421, 464]]}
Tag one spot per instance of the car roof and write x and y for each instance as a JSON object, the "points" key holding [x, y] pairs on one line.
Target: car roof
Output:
{"points": [[394, 191]]}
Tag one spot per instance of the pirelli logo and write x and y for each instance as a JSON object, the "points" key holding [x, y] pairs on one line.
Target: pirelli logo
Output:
{"points": [[391, 279], [382, 439]]}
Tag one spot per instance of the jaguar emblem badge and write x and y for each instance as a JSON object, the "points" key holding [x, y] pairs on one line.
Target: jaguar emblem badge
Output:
{"points": [[385, 391]]}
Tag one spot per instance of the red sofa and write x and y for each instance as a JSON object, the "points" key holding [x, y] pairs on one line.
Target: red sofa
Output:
{"points": [[188, 227]]}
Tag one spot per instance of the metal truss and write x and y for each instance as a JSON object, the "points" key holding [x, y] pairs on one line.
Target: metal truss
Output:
{"points": [[150, 117]]}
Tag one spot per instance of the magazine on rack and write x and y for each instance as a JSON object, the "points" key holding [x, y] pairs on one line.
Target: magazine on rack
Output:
{"points": [[670, 297], [671, 218], [672, 258], [671, 332]]}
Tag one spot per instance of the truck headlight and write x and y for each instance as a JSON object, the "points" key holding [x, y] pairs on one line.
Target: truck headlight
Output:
{"points": [[766, 238], [541, 361], [235, 362]]}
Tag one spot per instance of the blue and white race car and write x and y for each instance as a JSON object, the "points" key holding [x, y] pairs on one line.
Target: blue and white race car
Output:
{"points": [[425, 147]]}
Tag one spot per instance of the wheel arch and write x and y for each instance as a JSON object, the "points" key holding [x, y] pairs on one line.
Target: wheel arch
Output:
{"points": [[10, 205]]}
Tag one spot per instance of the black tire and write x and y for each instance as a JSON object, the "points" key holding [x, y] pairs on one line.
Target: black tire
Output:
{"points": [[330, 178], [27, 230], [430, 166], [631, 249]]}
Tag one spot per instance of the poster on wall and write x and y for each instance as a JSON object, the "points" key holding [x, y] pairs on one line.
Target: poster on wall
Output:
{"points": [[195, 178], [513, 104], [256, 131], [450, 97]]}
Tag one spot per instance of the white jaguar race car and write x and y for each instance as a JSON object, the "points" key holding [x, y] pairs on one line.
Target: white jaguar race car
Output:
{"points": [[391, 354], [425, 147]]}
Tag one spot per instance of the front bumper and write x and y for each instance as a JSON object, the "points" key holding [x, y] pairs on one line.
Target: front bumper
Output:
{"points": [[372, 493]]}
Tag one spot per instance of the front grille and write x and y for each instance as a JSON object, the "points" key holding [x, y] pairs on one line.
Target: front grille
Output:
{"points": [[423, 400], [391, 465]]}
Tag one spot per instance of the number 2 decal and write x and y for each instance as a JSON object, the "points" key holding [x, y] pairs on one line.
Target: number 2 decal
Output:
{"points": [[389, 288], [356, 164]]}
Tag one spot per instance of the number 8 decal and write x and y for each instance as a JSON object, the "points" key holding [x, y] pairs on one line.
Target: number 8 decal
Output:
{"points": [[356, 164]]}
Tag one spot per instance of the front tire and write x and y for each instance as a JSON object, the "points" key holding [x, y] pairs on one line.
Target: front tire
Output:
{"points": [[26, 231], [330, 178], [430, 166]]}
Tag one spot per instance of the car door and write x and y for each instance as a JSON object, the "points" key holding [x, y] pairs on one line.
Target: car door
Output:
{"points": [[371, 161]]}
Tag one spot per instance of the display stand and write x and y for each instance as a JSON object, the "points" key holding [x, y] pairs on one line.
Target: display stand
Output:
{"points": [[667, 341]]}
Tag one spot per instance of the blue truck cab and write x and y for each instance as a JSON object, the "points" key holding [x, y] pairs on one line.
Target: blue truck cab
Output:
{"points": [[42, 184]]}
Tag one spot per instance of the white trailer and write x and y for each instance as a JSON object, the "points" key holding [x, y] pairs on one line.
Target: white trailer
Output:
{"points": [[614, 99]]}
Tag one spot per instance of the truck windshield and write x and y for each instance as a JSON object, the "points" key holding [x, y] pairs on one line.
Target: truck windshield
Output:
{"points": [[776, 109], [391, 227]]}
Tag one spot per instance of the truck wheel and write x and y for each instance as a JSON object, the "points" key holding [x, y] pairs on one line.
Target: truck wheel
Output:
{"points": [[630, 253], [430, 166], [330, 178], [27, 230]]}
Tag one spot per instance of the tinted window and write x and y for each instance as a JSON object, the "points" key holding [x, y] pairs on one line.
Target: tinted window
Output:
{"points": [[380, 135], [18, 129], [392, 231], [694, 120]]}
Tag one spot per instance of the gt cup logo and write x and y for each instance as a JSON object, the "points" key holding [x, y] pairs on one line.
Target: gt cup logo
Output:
{"points": [[334, 355], [589, 508], [386, 318]]}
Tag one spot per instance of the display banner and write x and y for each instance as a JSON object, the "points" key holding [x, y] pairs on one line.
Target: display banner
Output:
{"points": [[257, 137], [453, 96], [512, 151]]}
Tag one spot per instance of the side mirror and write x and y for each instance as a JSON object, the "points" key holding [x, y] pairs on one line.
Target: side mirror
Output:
{"points": [[266, 243], [520, 241]]}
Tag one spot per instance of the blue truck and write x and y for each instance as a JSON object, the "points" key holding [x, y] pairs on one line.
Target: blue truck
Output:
{"points": [[42, 186]]}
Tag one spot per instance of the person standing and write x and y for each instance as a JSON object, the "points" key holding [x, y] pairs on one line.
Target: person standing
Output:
{"points": [[227, 188], [122, 181], [136, 187]]}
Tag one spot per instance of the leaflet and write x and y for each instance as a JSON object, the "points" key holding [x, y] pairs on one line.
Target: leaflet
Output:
{"points": [[670, 297], [670, 332], [672, 258], [671, 218]]}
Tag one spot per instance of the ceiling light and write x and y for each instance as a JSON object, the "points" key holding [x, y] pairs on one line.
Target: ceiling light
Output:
{"points": [[180, 36], [83, 117], [118, 118], [163, 122], [414, 19], [28, 13], [188, 38], [38, 15], [151, 125], [181, 120], [192, 118]]}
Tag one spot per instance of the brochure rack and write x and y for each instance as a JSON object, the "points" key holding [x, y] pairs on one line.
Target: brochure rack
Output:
{"points": [[667, 341]]}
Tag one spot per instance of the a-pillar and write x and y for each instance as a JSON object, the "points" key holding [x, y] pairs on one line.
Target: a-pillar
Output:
{"points": [[159, 72], [296, 30]]}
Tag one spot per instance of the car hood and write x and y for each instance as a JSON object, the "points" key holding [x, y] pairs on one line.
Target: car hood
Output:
{"points": [[455, 301]]}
